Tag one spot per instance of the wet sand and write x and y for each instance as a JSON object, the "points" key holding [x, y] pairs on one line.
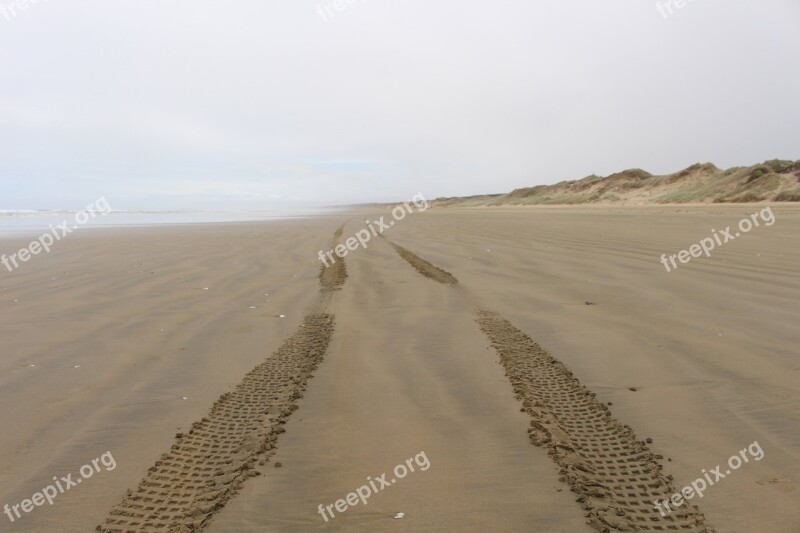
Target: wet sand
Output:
{"points": [[710, 348]]}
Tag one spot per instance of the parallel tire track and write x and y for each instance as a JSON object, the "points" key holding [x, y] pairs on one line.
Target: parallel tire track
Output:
{"points": [[616, 477]]}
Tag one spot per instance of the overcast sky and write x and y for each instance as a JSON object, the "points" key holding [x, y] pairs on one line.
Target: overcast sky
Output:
{"points": [[262, 103]]}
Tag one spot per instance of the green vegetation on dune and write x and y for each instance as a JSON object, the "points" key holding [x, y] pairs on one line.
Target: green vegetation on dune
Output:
{"points": [[775, 180]]}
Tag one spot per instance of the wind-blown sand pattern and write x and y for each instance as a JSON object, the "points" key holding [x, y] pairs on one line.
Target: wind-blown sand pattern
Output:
{"points": [[124, 337], [616, 477], [208, 465]]}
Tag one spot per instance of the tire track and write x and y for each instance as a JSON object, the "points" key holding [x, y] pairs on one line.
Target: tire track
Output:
{"points": [[332, 277], [207, 466], [616, 477], [427, 269]]}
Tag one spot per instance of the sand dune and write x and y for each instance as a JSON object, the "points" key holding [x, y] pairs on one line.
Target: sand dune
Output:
{"points": [[776, 181]]}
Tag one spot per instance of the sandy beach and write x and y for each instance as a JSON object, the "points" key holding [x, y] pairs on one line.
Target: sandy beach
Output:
{"points": [[239, 390], [342, 266]]}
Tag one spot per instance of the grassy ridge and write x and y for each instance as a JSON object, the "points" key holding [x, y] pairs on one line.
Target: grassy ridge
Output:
{"points": [[776, 180]]}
